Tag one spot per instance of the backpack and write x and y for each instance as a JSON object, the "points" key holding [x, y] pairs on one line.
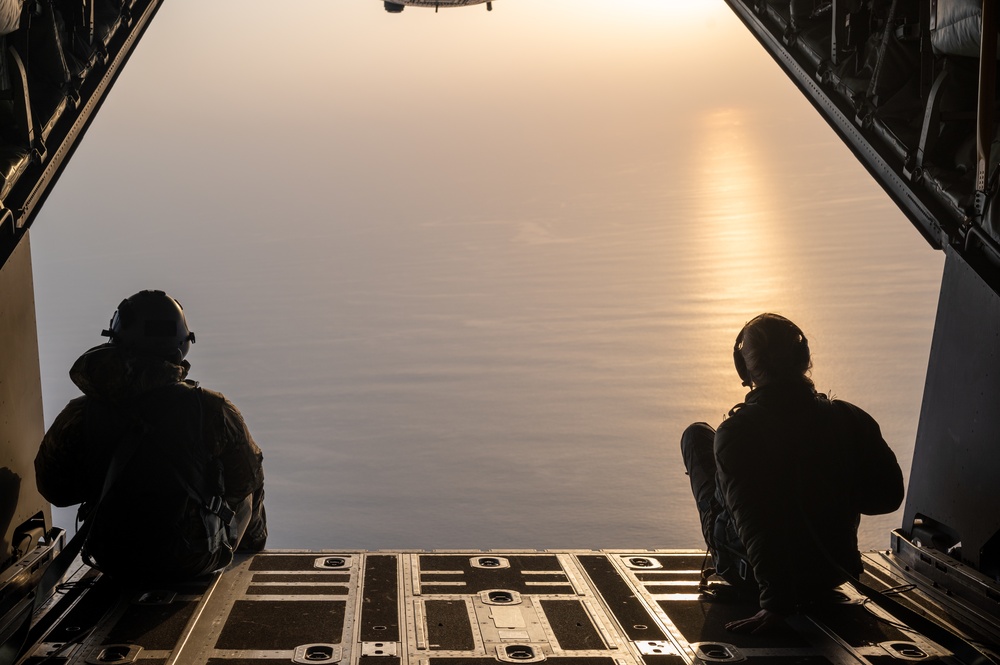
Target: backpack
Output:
{"points": [[161, 514]]}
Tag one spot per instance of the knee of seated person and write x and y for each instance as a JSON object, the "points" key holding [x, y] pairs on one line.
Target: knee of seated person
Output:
{"points": [[697, 434]]}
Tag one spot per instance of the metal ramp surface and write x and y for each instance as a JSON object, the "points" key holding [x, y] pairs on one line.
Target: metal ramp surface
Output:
{"points": [[567, 607]]}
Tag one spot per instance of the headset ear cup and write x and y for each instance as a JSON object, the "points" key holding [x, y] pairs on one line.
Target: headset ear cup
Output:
{"points": [[739, 361], [741, 367], [804, 356], [124, 314]]}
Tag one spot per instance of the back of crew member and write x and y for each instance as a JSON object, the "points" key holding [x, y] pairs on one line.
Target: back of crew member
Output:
{"points": [[170, 481], [781, 486]]}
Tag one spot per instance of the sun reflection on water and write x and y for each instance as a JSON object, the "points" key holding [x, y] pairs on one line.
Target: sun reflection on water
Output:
{"points": [[738, 237], [736, 201]]}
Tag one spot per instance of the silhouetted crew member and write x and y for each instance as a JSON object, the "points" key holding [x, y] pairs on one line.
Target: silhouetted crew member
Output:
{"points": [[782, 484], [170, 479]]}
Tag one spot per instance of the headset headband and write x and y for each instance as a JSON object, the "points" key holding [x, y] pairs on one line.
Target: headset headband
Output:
{"points": [[740, 362]]}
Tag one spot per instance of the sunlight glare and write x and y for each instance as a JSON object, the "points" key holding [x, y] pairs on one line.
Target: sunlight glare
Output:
{"points": [[742, 250], [678, 9], [734, 188]]}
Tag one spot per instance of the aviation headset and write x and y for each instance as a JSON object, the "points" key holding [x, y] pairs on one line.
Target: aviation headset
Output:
{"points": [[800, 357]]}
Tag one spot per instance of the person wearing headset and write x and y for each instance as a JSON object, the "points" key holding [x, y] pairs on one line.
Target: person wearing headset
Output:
{"points": [[781, 486], [170, 481]]}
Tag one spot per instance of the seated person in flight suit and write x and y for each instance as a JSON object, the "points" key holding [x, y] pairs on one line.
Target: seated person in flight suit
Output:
{"points": [[169, 478], [782, 484]]}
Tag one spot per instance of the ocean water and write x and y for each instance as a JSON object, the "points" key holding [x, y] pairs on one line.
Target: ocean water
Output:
{"points": [[468, 275]]}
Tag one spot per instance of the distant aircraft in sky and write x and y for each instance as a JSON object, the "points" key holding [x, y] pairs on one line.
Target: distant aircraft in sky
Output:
{"points": [[396, 6]]}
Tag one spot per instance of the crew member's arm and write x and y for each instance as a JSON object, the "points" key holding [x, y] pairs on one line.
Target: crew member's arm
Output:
{"points": [[878, 480], [65, 466], [255, 537], [244, 473]]}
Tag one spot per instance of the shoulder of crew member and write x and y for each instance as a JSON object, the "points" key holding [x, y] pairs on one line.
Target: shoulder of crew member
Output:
{"points": [[225, 421], [740, 428], [64, 456], [879, 480]]}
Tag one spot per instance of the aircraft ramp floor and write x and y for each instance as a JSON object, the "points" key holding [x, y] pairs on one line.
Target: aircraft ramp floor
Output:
{"points": [[571, 607]]}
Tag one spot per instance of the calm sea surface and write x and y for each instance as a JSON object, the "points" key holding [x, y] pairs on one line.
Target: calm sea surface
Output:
{"points": [[468, 275]]}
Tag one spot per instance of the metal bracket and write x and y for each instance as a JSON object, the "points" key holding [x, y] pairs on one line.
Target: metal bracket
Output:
{"points": [[316, 653], [114, 654], [489, 562], [657, 648], [500, 597], [520, 653], [716, 652], [379, 649], [642, 563], [333, 562]]}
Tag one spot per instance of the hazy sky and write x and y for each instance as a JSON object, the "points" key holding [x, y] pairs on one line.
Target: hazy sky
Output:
{"points": [[232, 120], [421, 248]]}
